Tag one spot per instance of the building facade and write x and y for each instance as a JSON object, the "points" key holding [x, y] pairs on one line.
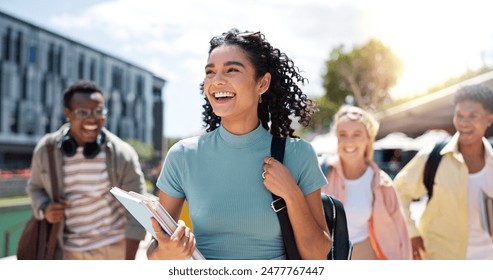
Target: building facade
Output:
{"points": [[36, 66]]}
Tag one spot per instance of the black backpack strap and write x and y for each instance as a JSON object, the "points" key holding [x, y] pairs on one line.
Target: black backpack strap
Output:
{"points": [[330, 217], [335, 216], [279, 205], [431, 167]]}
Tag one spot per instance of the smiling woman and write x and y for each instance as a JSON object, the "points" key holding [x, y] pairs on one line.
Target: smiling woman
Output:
{"points": [[227, 176], [376, 225]]}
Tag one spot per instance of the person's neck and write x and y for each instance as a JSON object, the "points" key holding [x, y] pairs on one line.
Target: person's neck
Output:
{"points": [[354, 169], [472, 150], [240, 128]]}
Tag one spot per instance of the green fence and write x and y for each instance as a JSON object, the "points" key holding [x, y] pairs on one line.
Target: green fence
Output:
{"points": [[14, 213]]}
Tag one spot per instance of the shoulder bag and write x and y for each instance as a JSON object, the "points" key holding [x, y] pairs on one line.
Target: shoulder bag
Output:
{"points": [[38, 240], [335, 217]]}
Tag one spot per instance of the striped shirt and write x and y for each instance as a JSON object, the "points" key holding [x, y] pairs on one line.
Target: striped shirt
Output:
{"points": [[93, 217]]}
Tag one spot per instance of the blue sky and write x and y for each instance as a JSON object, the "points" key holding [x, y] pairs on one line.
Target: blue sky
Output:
{"points": [[434, 39]]}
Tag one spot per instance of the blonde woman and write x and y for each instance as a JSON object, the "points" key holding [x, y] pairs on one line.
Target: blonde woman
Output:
{"points": [[376, 224]]}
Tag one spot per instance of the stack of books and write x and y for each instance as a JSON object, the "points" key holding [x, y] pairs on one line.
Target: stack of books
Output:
{"points": [[143, 208], [487, 213]]}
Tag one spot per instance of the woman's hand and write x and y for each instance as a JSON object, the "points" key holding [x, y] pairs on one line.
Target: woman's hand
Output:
{"points": [[418, 247], [180, 245], [277, 178]]}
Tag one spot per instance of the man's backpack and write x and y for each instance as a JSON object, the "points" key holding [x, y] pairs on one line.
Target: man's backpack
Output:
{"points": [[335, 217], [431, 166]]}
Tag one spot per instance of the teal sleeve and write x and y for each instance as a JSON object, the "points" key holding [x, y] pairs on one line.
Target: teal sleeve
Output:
{"points": [[302, 161], [170, 178]]}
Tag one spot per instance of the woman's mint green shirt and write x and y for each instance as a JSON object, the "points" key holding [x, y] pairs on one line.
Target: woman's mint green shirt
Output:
{"points": [[220, 175]]}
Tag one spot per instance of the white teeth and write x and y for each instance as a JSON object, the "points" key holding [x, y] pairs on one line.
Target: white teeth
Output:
{"points": [[223, 94], [90, 127], [349, 150]]}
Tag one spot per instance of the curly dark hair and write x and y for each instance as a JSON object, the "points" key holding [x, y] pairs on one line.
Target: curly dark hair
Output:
{"points": [[282, 100]]}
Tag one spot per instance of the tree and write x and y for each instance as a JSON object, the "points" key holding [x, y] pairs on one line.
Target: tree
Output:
{"points": [[364, 74]]}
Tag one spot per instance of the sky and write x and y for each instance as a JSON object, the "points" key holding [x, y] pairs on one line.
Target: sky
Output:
{"points": [[435, 40]]}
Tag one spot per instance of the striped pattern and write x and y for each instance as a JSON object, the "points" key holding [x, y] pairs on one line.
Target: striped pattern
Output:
{"points": [[93, 217]]}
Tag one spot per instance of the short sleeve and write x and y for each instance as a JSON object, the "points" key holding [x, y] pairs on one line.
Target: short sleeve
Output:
{"points": [[301, 159], [170, 179]]}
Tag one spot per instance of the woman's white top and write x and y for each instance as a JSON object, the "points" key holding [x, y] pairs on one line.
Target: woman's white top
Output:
{"points": [[358, 206]]}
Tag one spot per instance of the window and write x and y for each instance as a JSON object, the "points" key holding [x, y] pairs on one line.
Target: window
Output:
{"points": [[33, 47], [51, 58], [19, 47], [81, 66], [92, 69], [59, 60], [6, 43], [102, 73]]}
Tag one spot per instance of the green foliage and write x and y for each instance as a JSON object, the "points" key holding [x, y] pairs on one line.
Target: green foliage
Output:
{"points": [[143, 150], [320, 122], [366, 73], [336, 87]]}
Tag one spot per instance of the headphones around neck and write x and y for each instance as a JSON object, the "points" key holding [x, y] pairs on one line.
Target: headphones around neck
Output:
{"points": [[68, 145]]}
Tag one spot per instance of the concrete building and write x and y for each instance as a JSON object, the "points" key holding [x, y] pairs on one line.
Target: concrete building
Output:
{"points": [[36, 65]]}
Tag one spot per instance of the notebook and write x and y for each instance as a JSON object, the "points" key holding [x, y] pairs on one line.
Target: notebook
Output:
{"points": [[486, 206], [143, 208]]}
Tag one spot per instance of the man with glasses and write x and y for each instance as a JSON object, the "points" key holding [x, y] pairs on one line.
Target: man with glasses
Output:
{"points": [[89, 160]]}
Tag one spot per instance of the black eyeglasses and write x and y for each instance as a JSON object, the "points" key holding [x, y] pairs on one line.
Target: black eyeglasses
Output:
{"points": [[84, 113]]}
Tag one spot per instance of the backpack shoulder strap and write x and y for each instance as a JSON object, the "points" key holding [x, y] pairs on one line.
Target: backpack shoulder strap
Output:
{"points": [[277, 148], [330, 217], [55, 228], [431, 167], [50, 146], [335, 215], [279, 205]]}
